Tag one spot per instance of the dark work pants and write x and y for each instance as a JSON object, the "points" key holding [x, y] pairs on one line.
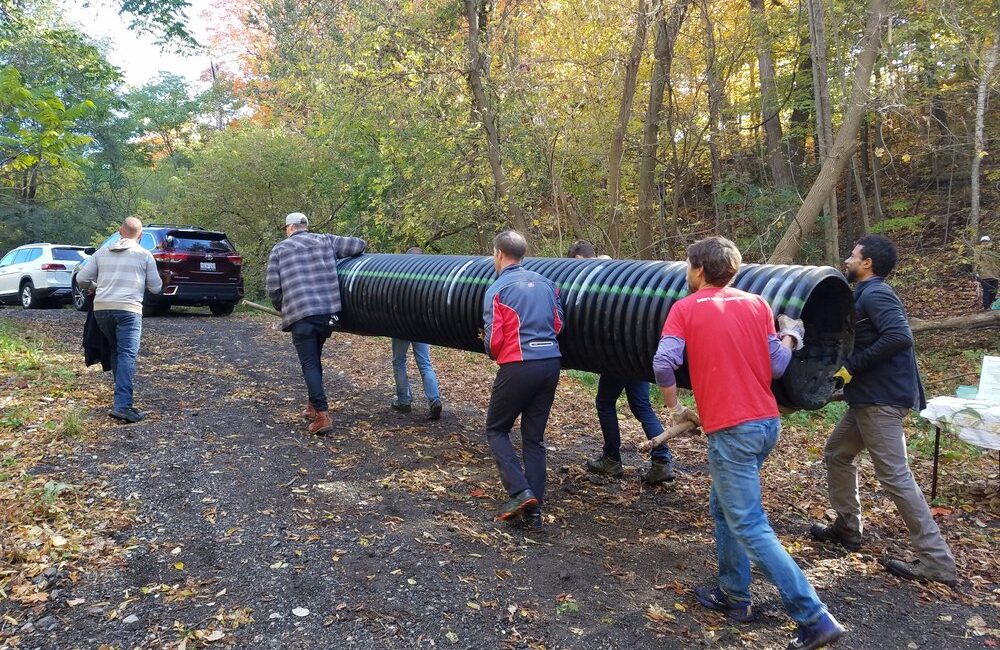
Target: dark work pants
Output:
{"points": [[609, 389], [525, 388], [989, 286], [308, 336]]}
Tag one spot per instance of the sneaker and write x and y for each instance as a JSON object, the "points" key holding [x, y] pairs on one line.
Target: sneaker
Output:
{"points": [[127, 414], [715, 599], [531, 519], [516, 504], [825, 631], [828, 534], [399, 406], [918, 571], [436, 408], [606, 466], [659, 472]]}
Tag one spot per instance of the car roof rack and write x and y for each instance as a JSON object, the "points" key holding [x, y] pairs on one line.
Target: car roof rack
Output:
{"points": [[173, 225]]}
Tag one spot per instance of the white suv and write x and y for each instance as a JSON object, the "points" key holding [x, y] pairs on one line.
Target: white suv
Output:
{"points": [[36, 274]]}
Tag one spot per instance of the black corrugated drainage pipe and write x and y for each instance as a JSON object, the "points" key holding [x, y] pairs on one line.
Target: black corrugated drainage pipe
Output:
{"points": [[615, 310]]}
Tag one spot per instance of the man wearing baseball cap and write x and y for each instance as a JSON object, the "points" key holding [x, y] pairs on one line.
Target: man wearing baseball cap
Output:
{"points": [[302, 283], [987, 270]]}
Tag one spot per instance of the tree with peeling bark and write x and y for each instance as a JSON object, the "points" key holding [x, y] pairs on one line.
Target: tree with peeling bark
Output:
{"points": [[477, 14], [845, 143], [616, 211], [979, 142]]}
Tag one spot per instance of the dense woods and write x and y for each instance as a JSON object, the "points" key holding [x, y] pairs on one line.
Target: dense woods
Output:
{"points": [[640, 125]]}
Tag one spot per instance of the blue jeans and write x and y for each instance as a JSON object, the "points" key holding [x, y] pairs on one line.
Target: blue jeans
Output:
{"points": [[609, 389], [123, 330], [742, 531], [422, 355]]}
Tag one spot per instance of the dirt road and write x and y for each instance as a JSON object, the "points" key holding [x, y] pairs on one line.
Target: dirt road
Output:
{"points": [[380, 535]]}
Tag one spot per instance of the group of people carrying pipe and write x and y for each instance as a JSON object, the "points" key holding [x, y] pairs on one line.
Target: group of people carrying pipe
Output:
{"points": [[733, 351]]}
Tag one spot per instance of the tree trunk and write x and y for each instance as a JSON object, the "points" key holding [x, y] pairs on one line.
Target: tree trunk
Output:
{"points": [[667, 28], [798, 122], [968, 321], [843, 146], [979, 149], [616, 212], [879, 151], [714, 118], [824, 124], [859, 182], [483, 110], [778, 164]]}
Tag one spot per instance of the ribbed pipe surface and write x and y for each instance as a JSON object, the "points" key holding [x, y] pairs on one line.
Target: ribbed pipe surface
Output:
{"points": [[615, 310]]}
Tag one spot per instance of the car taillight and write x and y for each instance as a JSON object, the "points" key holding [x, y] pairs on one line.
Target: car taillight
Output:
{"points": [[236, 260], [170, 257], [53, 267]]}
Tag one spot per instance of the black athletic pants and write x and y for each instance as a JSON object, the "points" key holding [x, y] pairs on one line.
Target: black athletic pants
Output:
{"points": [[525, 388]]}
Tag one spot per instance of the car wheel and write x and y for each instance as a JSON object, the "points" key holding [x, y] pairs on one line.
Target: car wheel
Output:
{"points": [[79, 297], [28, 298], [222, 308]]}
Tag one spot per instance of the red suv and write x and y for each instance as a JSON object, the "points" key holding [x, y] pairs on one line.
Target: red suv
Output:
{"points": [[199, 267]]}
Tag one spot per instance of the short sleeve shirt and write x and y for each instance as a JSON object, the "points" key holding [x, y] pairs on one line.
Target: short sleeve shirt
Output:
{"points": [[725, 333]]}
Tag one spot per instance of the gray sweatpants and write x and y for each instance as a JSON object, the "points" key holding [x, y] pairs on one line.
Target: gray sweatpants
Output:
{"points": [[879, 429]]}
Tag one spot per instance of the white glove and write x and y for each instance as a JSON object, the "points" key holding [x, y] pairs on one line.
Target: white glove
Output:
{"points": [[796, 329], [681, 413]]}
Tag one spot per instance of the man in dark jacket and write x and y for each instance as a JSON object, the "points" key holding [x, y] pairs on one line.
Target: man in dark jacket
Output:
{"points": [[522, 317], [881, 385], [609, 389], [302, 283]]}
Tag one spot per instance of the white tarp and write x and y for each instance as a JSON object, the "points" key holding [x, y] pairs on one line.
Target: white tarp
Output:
{"points": [[977, 422]]}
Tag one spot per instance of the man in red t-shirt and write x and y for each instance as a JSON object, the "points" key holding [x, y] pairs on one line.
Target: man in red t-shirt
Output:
{"points": [[733, 353]]}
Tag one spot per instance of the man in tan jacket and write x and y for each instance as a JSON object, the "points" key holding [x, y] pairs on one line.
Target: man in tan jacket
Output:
{"points": [[987, 270]]}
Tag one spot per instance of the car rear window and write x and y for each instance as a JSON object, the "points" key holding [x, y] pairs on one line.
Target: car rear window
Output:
{"points": [[68, 254], [196, 244]]}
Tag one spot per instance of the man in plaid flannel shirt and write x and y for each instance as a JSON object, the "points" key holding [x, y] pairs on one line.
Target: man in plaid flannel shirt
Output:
{"points": [[302, 284]]}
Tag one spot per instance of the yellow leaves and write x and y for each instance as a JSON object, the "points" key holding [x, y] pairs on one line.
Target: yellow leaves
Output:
{"points": [[658, 614], [905, 158], [179, 566]]}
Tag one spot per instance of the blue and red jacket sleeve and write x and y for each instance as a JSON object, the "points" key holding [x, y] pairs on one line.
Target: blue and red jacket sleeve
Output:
{"points": [[558, 315]]}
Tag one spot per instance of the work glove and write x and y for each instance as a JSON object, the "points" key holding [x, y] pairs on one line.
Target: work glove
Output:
{"points": [[796, 329], [843, 376], [681, 413]]}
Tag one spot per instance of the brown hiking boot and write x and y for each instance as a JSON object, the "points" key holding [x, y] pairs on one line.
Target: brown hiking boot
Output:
{"points": [[918, 571], [659, 473], [321, 423], [309, 413]]}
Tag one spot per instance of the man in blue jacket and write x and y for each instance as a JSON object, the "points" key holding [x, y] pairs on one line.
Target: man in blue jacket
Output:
{"points": [[609, 389], [881, 385], [522, 318]]}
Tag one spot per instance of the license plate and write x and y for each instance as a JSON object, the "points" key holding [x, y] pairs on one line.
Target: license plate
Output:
{"points": [[208, 266]]}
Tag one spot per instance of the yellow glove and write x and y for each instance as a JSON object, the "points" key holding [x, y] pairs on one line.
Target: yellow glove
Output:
{"points": [[843, 375]]}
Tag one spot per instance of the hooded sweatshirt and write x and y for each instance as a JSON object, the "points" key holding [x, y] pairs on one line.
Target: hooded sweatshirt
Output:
{"points": [[122, 273]]}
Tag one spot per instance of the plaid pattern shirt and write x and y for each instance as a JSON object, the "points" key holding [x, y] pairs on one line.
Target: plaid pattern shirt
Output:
{"points": [[302, 274]]}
